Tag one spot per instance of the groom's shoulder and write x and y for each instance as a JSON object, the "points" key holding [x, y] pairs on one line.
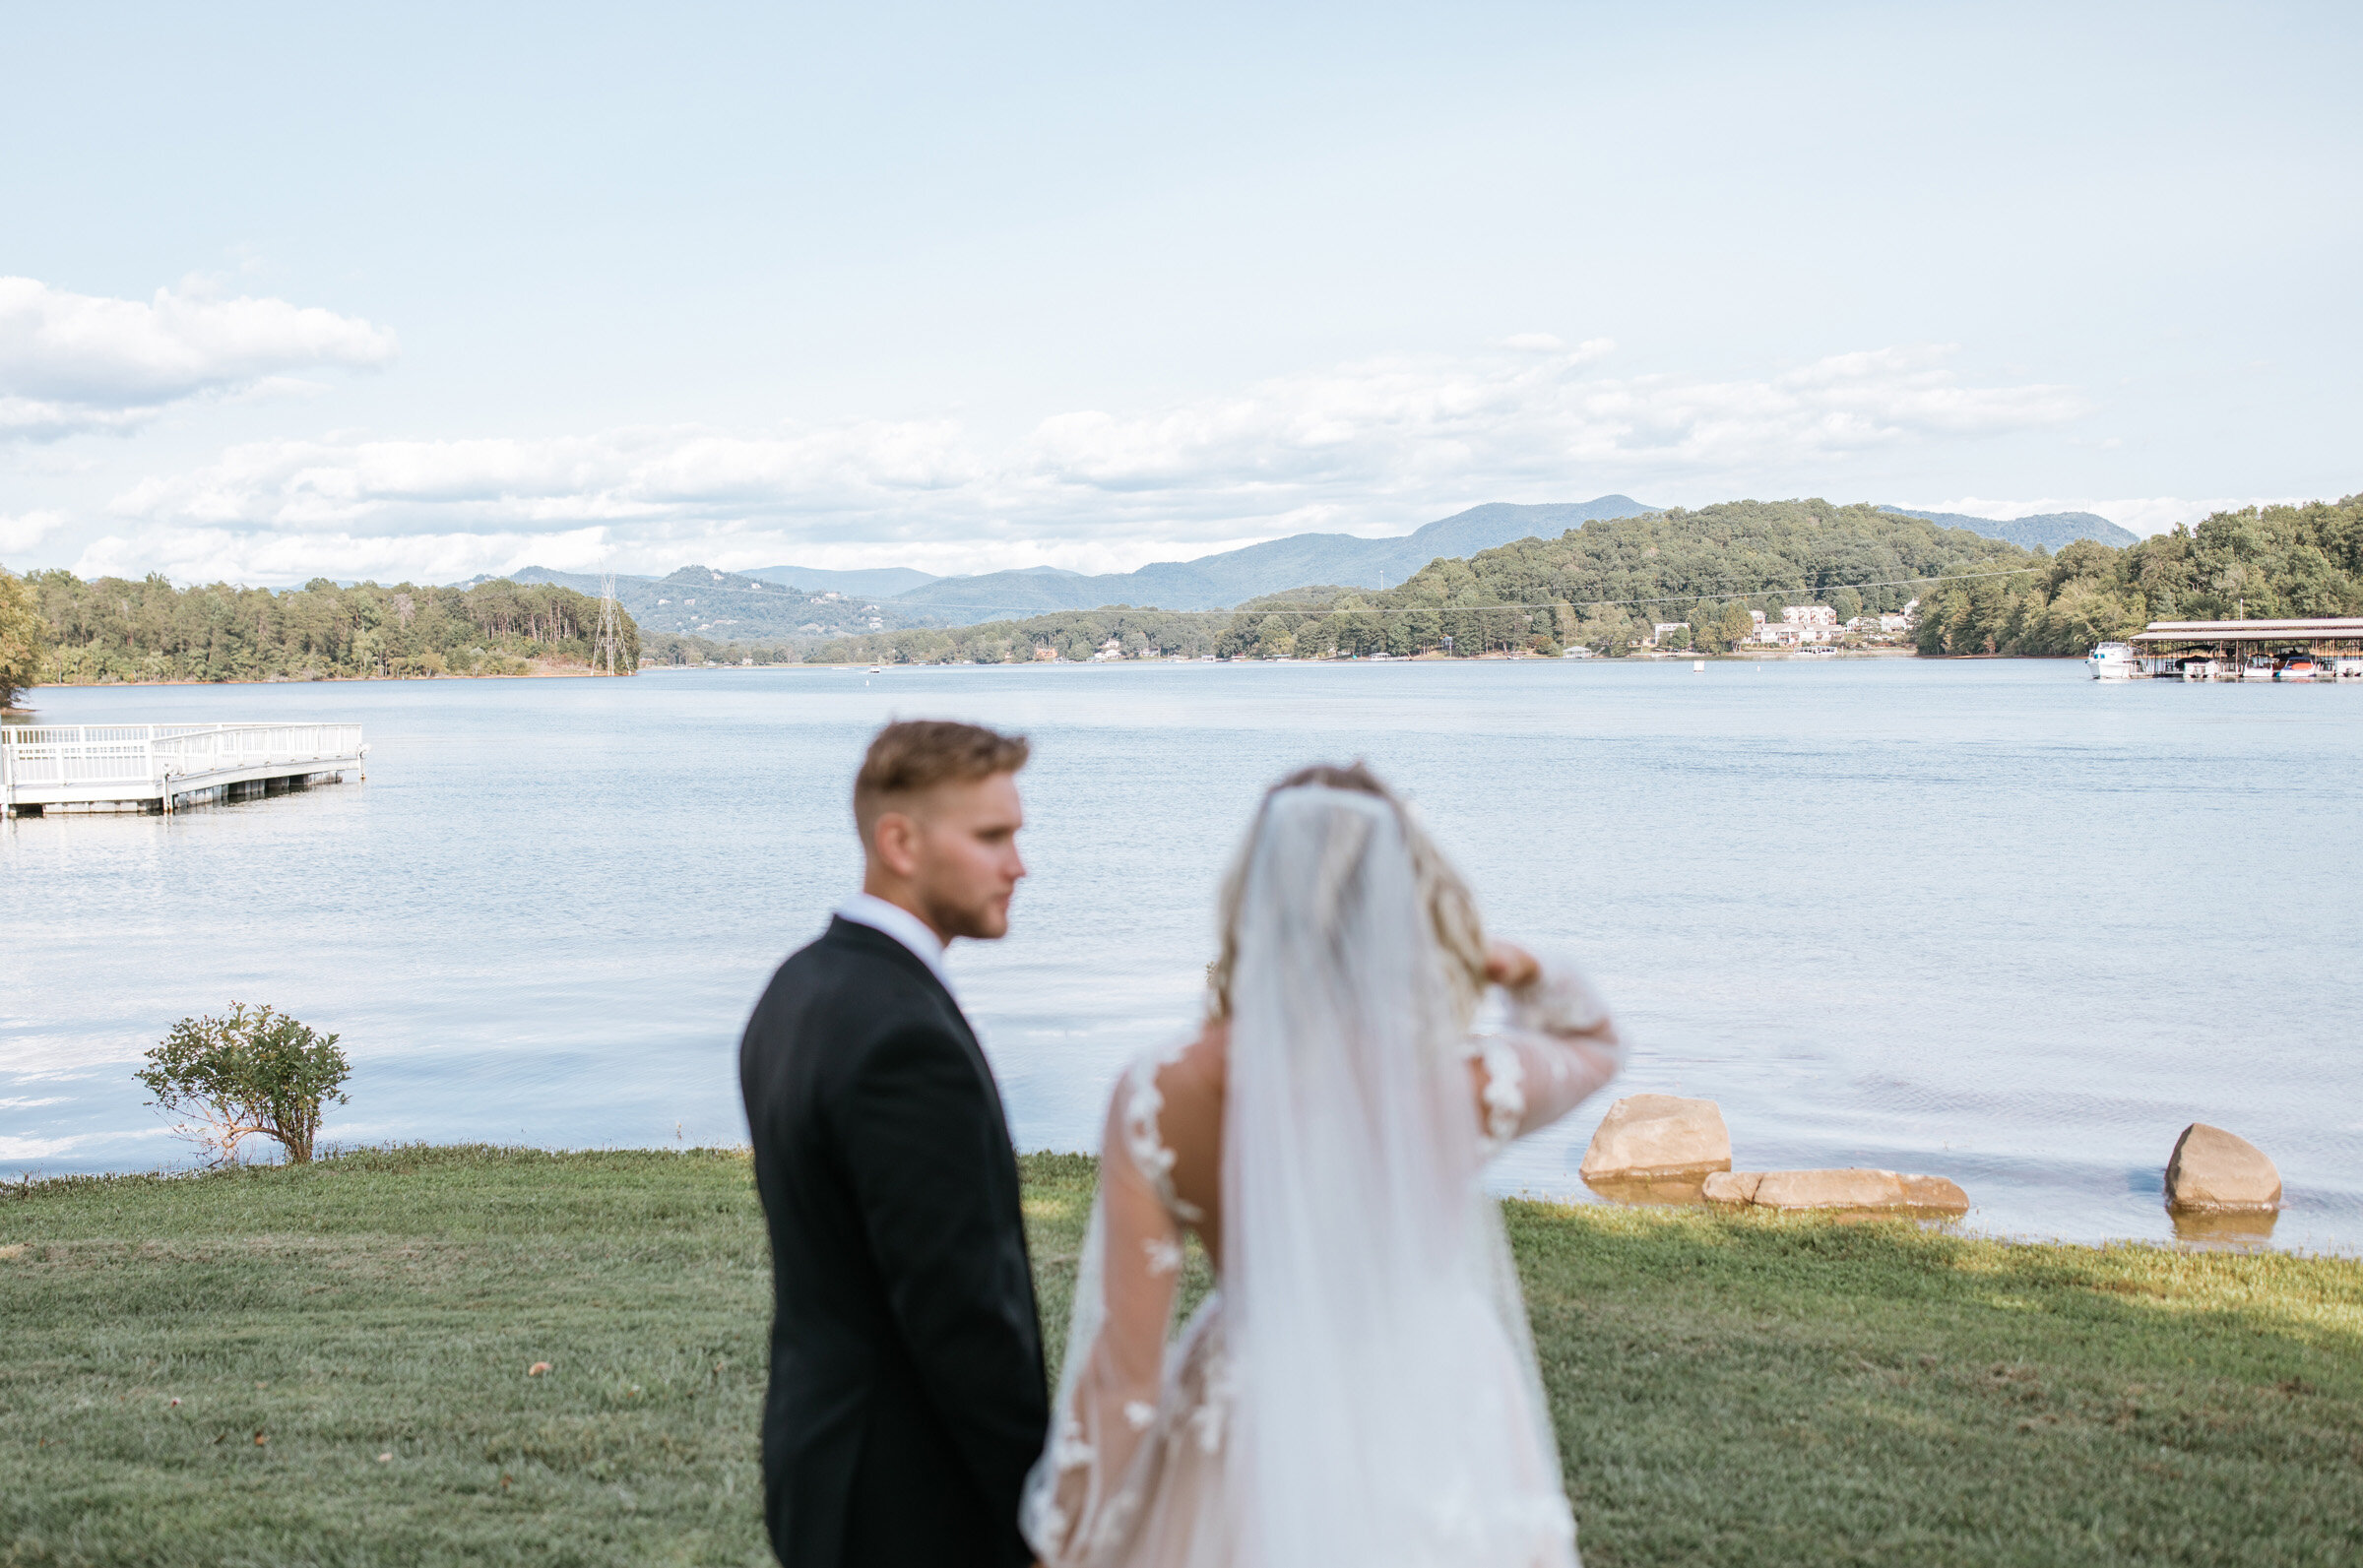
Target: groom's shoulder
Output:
{"points": [[848, 975]]}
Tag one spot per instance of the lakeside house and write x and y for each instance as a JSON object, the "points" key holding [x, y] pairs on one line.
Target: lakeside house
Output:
{"points": [[1809, 625]]}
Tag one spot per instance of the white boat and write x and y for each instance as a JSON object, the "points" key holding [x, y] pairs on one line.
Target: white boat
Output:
{"points": [[2111, 662], [2347, 669], [2260, 667], [2198, 669]]}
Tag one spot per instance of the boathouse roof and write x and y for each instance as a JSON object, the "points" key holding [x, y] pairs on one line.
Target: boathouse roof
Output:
{"points": [[2342, 628]]}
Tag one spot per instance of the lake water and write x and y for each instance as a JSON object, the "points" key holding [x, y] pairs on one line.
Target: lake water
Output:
{"points": [[1993, 920]]}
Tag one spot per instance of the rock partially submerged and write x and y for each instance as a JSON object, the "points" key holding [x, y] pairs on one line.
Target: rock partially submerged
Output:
{"points": [[1648, 1136], [2214, 1171], [1857, 1189]]}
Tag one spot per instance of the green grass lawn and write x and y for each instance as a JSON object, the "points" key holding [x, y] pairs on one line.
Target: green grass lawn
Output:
{"points": [[348, 1345]]}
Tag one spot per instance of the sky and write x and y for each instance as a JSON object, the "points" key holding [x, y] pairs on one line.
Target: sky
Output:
{"points": [[424, 292]]}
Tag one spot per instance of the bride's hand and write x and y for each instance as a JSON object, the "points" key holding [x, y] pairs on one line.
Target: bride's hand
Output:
{"points": [[1507, 964]]}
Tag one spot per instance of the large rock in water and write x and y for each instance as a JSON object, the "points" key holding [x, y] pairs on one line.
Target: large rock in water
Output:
{"points": [[2214, 1171], [1658, 1134], [1836, 1189]]}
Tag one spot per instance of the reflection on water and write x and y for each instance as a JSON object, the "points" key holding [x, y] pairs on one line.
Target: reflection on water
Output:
{"points": [[1895, 914], [2230, 1231], [1646, 1192]]}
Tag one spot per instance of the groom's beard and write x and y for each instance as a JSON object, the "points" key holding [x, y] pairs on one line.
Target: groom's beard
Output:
{"points": [[983, 920]]}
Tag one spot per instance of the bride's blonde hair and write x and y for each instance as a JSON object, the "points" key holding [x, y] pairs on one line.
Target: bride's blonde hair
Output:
{"points": [[1451, 910]]}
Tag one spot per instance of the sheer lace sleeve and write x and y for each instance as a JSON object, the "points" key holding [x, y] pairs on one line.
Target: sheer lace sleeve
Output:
{"points": [[1557, 1046], [1081, 1495]]}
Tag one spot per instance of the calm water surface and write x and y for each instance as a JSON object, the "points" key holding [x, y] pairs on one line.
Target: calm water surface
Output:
{"points": [[1993, 920]]}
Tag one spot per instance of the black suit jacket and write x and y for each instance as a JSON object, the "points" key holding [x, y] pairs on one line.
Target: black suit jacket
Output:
{"points": [[906, 1396]]}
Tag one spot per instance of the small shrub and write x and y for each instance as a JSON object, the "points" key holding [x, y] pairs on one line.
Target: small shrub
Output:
{"points": [[252, 1073]]}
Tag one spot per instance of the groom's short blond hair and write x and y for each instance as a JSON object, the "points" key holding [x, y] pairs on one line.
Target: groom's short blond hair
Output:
{"points": [[912, 756]]}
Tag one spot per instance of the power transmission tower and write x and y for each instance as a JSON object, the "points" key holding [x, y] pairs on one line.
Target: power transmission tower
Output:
{"points": [[609, 645]]}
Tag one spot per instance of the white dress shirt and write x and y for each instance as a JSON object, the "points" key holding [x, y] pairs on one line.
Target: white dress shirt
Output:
{"points": [[867, 908]]}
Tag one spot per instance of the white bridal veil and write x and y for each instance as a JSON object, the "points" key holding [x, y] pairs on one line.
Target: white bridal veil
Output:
{"points": [[1386, 1405], [1362, 1390]]}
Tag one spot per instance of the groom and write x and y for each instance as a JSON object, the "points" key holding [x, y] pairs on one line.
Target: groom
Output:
{"points": [[907, 1399]]}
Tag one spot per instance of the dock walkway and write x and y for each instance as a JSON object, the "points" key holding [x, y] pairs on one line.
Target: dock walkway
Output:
{"points": [[47, 769]]}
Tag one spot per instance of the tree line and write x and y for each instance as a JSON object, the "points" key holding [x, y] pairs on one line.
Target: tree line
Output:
{"points": [[115, 629], [1607, 585], [2263, 563], [1603, 586]]}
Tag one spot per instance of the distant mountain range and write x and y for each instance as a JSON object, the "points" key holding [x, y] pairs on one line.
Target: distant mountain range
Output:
{"points": [[1217, 582], [777, 602], [731, 606], [871, 580], [2045, 530]]}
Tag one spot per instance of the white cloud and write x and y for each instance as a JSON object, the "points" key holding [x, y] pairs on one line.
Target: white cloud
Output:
{"points": [[2154, 513], [73, 364], [1382, 443], [27, 528]]}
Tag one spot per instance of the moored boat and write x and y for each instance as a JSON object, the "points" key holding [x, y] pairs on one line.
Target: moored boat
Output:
{"points": [[2111, 662]]}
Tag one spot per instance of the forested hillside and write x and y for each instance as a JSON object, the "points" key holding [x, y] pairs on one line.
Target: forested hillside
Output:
{"points": [[113, 629], [1606, 583], [1602, 585], [2250, 565]]}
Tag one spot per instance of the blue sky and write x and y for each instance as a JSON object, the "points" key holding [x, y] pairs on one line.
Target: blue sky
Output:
{"points": [[295, 290]]}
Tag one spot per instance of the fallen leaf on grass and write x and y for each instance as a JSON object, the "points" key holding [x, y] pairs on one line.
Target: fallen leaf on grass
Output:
{"points": [[260, 1439], [537, 1369], [176, 1401], [385, 1459], [16, 1250]]}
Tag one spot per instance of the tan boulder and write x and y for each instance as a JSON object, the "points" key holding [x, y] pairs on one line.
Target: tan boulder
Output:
{"points": [[2216, 1172], [1658, 1134], [1858, 1189], [1731, 1186], [1940, 1193], [1830, 1189]]}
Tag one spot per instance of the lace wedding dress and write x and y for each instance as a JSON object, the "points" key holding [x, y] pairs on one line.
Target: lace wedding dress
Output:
{"points": [[1361, 1388]]}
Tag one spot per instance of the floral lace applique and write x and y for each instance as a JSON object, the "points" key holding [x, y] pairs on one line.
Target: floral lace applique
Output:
{"points": [[1214, 1403], [1070, 1450], [1164, 1257], [1144, 1141], [1504, 1094]]}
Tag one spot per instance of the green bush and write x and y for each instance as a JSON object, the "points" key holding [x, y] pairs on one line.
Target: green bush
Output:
{"points": [[252, 1073]]}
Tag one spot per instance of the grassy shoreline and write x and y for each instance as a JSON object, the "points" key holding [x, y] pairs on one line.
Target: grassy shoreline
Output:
{"points": [[1728, 1388]]}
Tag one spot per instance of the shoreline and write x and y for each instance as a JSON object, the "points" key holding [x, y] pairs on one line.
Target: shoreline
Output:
{"points": [[28, 1179], [864, 665], [566, 673]]}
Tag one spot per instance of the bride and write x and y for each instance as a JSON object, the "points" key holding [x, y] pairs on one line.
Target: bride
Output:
{"points": [[1361, 1388]]}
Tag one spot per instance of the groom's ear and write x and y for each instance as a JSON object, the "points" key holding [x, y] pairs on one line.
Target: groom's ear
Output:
{"points": [[891, 841]]}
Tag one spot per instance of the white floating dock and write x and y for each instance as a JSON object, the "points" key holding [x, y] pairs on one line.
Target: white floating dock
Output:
{"points": [[49, 769]]}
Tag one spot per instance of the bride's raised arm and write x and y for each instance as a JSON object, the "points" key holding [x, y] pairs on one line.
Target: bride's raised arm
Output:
{"points": [[1557, 1046], [1131, 1265]]}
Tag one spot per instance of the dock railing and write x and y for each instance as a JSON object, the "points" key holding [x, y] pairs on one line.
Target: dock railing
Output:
{"points": [[56, 763]]}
